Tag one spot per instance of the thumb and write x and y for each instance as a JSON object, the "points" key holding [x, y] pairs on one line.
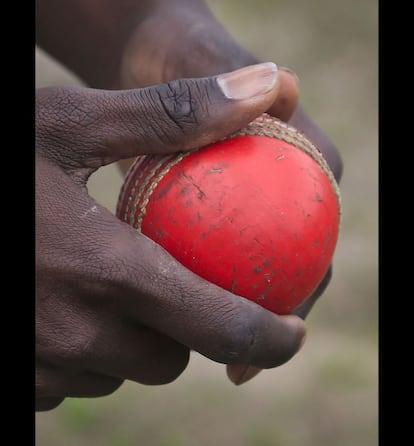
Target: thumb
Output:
{"points": [[98, 127]]}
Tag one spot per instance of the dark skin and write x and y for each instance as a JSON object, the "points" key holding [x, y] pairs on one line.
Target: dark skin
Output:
{"points": [[111, 304]]}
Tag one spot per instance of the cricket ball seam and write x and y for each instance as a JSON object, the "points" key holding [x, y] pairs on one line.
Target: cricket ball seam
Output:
{"points": [[143, 186], [154, 183], [264, 125], [138, 179]]}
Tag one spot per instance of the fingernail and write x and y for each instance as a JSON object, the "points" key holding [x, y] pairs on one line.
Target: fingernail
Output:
{"points": [[249, 82], [288, 70], [241, 373]]}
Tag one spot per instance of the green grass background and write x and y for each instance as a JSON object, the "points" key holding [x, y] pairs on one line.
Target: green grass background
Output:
{"points": [[328, 394]]}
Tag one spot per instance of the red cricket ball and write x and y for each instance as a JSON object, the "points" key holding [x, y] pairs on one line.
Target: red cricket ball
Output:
{"points": [[257, 213]]}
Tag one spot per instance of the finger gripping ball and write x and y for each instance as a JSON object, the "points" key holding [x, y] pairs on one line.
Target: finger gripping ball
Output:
{"points": [[257, 213]]}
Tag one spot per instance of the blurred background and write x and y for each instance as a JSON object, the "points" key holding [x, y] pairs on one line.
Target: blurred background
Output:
{"points": [[328, 393]]}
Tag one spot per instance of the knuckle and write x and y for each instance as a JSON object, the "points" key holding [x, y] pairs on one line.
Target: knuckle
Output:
{"points": [[113, 271], [120, 268], [238, 340], [78, 347], [67, 343], [179, 105], [235, 347], [100, 268], [247, 337]]}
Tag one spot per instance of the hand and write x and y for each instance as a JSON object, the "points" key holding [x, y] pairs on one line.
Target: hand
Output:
{"points": [[187, 41], [122, 44], [110, 303], [182, 42]]}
